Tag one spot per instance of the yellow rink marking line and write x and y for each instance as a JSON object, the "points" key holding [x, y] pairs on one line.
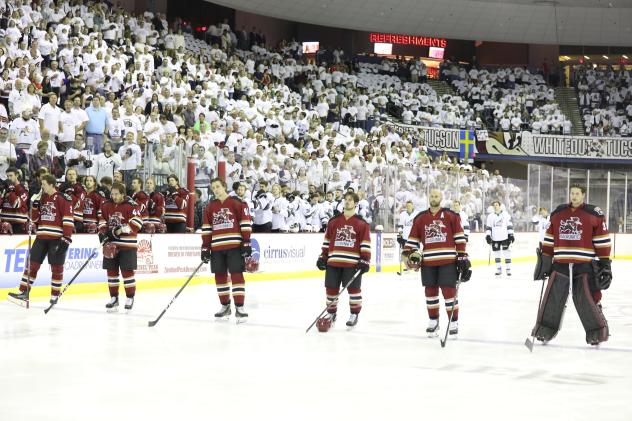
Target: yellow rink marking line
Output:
{"points": [[207, 279]]}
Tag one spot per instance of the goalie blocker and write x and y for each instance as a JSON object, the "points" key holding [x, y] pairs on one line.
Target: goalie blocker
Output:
{"points": [[576, 236]]}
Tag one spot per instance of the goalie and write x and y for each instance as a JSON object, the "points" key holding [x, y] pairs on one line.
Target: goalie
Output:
{"points": [[576, 236]]}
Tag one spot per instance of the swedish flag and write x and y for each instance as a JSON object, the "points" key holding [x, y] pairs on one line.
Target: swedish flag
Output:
{"points": [[467, 146]]}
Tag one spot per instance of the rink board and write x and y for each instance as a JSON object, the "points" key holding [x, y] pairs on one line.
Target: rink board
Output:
{"points": [[166, 259]]}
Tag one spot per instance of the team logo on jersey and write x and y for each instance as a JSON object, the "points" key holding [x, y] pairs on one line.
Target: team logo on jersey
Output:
{"points": [[116, 220], [87, 206], [223, 219], [345, 236], [570, 229], [435, 232], [48, 212]]}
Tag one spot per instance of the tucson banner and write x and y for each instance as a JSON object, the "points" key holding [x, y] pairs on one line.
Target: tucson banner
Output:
{"points": [[523, 145]]}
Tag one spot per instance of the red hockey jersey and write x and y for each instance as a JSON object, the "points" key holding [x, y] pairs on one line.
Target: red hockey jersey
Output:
{"points": [[577, 235], [54, 216], [155, 207], [440, 237], [176, 206], [115, 215], [347, 240], [142, 200], [92, 207], [14, 207], [78, 194], [225, 225]]}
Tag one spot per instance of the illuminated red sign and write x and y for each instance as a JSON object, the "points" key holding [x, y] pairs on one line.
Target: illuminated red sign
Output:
{"points": [[409, 40]]}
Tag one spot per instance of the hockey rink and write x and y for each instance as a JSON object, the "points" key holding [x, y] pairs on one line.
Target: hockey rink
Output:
{"points": [[80, 363]]}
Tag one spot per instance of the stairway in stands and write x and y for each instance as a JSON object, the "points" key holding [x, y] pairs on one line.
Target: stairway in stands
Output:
{"points": [[441, 87], [567, 99]]}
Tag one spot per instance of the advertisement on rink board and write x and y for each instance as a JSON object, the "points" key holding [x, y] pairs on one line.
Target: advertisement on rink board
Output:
{"points": [[174, 256], [163, 256]]}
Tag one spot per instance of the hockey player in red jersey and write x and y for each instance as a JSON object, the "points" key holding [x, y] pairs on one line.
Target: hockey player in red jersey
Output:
{"points": [[75, 190], [52, 215], [346, 249], [14, 203], [576, 236], [155, 208], [92, 205], [140, 197], [226, 229], [438, 234], [118, 225], [176, 205]]}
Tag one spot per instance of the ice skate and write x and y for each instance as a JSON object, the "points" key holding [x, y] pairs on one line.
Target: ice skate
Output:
{"points": [[353, 320], [454, 328], [326, 322], [224, 313], [129, 303], [499, 272], [240, 315], [112, 306], [19, 298], [433, 328], [508, 272], [53, 299]]}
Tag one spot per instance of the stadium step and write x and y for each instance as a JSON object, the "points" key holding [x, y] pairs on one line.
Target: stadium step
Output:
{"points": [[441, 87], [566, 97]]}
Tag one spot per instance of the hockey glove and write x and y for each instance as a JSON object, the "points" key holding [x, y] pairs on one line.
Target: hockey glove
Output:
{"points": [[103, 238], [400, 240], [488, 238], [604, 275], [463, 267], [205, 256], [363, 266], [511, 238], [543, 266], [321, 263], [62, 245], [245, 250]]}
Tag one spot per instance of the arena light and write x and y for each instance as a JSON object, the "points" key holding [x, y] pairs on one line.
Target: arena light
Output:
{"points": [[606, 57], [625, 57], [587, 58]]}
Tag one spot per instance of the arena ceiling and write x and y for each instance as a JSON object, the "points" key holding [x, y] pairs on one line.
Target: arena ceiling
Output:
{"points": [[566, 22]]}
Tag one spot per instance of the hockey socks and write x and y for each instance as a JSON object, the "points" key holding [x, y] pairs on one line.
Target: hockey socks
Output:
{"points": [[432, 302], [239, 288], [223, 288], [355, 301], [332, 301]]}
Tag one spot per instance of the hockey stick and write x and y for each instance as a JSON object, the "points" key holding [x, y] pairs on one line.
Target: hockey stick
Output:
{"points": [[28, 261], [454, 303], [335, 299], [154, 322], [94, 253], [400, 260], [489, 255], [530, 341]]}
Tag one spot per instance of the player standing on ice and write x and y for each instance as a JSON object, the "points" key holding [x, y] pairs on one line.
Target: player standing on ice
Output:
{"points": [[405, 224], [576, 236], [346, 249], [226, 229], [541, 221], [500, 234], [51, 212], [465, 222], [14, 201], [155, 208], [444, 259], [119, 223]]}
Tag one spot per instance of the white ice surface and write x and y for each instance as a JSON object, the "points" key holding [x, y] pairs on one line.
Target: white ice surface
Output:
{"points": [[80, 363]]}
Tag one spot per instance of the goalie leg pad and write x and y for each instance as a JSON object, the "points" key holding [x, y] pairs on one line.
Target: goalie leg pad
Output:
{"points": [[552, 307], [593, 320]]}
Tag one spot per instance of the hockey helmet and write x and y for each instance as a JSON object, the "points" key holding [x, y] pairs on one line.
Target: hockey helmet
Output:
{"points": [[91, 228], [413, 261], [252, 265], [149, 228], [6, 228], [109, 250], [323, 324]]}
